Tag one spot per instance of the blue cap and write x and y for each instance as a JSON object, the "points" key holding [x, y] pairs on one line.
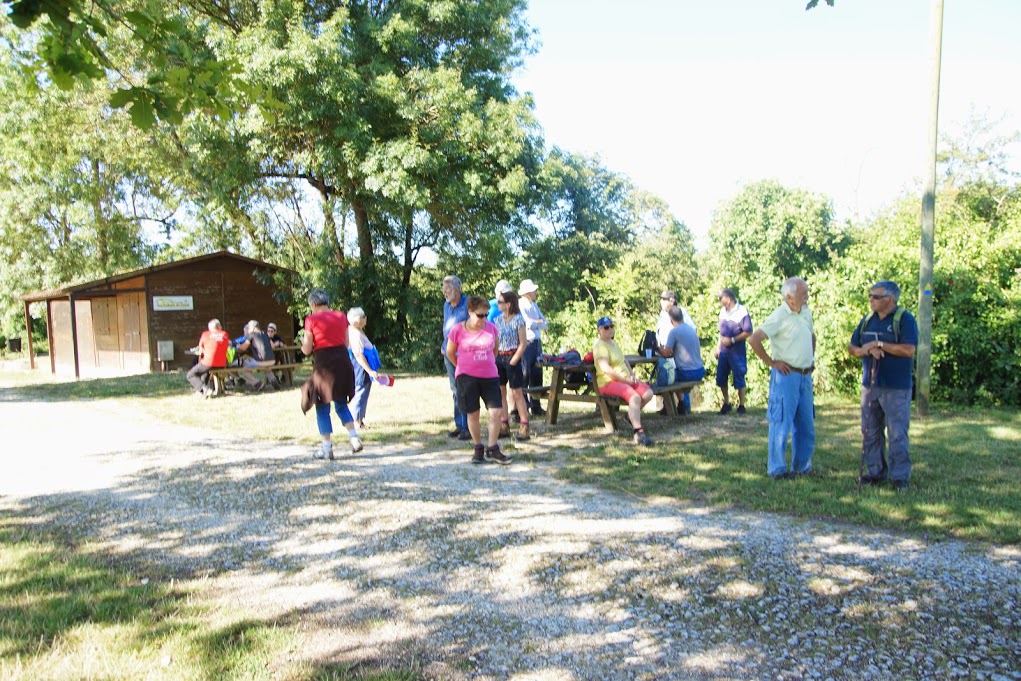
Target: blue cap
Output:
{"points": [[604, 321]]}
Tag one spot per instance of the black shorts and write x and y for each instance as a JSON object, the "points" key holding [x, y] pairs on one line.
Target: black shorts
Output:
{"points": [[471, 389], [511, 374]]}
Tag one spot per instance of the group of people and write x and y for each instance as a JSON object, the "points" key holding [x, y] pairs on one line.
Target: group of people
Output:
{"points": [[257, 352], [487, 346], [491, 350], [344, 365], [885, 341]]}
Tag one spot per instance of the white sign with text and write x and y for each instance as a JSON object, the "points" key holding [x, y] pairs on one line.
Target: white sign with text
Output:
{"points": [[172, 303]]}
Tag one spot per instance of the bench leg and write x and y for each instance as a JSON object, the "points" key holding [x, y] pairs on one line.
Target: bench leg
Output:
{"points": [[609, 415], [218, 385], [553, 399], [670, 402]]}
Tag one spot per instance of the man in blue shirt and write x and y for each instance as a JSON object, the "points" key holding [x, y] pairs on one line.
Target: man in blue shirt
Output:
{"points": [[885, 340], [455, 311]]}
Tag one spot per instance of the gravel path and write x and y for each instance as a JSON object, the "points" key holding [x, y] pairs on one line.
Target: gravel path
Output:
{"points": [[486, 572]]}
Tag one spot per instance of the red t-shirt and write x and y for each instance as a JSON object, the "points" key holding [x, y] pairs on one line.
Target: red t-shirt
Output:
{"points": [[328, 328], [213, 344]]}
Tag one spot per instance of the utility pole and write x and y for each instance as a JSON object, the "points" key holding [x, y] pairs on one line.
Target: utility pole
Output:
{"points": [[924, 358]]}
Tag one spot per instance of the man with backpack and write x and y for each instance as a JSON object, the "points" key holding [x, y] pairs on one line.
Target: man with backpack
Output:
{"points": [[885, 340]]}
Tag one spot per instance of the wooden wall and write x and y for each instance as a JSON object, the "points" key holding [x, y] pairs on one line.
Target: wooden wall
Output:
{"points": [[221, 288]]}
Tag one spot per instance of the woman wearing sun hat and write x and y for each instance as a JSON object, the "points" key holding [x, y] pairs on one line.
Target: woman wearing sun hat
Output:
{"points": [[535, 322]]}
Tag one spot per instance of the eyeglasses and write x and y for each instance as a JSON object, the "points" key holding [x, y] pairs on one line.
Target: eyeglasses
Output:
{"points": [[501, 302], [661, 298], [878, 296]]}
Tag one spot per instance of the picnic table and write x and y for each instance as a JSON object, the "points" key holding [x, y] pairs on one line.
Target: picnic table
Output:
{"points": [[561, 390], [287, 362]]}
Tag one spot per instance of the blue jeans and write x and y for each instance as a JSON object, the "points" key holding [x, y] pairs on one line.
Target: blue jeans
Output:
{"points": [[791, 412], [685, 375], [885, 416], [323, 416], [363, 384], [460, 419]]}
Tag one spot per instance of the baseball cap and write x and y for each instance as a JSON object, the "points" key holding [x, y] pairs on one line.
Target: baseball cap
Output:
{"points": [[603, 322]]}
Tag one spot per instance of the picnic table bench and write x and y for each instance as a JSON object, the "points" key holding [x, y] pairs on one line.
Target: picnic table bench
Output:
{"points": [[285, 355], [561, 390]]}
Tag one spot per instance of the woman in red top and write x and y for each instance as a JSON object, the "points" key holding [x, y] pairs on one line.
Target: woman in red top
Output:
{"points": [[332, 377]]}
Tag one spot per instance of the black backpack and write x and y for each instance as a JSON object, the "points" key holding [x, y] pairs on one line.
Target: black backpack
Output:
{"points": [[649, 342]]}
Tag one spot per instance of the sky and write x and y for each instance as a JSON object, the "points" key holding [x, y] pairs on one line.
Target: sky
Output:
{"points": [[693, 99]]}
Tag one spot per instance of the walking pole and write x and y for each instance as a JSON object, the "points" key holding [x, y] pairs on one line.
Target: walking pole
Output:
{"points": [[868, 414]]}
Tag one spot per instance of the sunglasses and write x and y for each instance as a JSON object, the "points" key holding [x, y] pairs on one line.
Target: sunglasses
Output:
{"points": [[878, 296], [608, 326]]}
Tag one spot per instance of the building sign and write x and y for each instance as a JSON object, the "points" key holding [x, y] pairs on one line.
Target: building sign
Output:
{"points": [[171, 303]]}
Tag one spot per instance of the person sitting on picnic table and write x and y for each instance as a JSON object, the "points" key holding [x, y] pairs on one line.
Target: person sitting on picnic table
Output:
{"points": [[616, 378], [258, 349], [275, 340], [212, 350]]}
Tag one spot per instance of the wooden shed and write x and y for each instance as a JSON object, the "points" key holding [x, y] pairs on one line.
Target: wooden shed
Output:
{"points": [[147, 319]]}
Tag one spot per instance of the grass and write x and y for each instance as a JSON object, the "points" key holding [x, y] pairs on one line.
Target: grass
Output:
{"points": [[68, 613], [967, 465]]}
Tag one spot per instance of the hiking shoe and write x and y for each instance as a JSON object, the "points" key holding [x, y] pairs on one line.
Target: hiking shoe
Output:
{"points": [[464, 435], [537, 410], [496, 456], [504, 430], [642, 439], [523, 433], [741, 410], [480, 454], [870, 480], [514, 416], [726, 408], [900, 485], [356, 444], [454, 433], [783, 476]]}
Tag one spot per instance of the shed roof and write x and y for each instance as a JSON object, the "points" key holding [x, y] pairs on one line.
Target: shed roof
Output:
{"points": [[64, 291]]}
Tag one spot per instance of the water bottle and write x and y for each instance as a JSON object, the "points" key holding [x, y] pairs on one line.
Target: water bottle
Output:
{"points": [[384, 380]]}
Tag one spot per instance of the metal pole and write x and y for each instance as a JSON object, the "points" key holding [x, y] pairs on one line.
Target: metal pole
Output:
{"points": [[924, 354]]}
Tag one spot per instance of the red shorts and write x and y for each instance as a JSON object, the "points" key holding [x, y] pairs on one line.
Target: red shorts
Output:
{"points": [[623, 390]]}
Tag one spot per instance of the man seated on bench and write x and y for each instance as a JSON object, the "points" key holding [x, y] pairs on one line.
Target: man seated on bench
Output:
{"points": [[259, 354], [682, 344], [616, 378], [212, 351]]}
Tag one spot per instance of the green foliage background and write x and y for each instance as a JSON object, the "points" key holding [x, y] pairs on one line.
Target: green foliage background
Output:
{"points": [[374, 146]]}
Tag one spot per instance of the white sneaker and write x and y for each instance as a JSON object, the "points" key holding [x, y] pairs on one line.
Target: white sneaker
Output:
{"points": [[324, 452], [356, 444]]}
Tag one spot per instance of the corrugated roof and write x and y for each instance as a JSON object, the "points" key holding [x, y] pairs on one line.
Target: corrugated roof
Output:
{"points": [[36, 296]]}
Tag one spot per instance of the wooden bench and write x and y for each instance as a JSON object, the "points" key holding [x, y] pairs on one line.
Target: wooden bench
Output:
{"points": [[587, 391], [219, 376], [673, 402]]}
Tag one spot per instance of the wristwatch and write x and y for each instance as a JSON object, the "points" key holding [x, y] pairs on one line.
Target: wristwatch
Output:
{"points": [[880, 344]]}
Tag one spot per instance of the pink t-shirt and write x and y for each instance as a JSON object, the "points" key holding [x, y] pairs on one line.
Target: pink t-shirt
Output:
{"points": [[475, 351]]}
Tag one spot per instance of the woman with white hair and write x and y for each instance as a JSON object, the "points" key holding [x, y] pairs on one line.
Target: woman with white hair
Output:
{"points": [[364, 362]]}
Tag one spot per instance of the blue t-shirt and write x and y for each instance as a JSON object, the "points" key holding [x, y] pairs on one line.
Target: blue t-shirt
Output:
{"points": [[452, 316], [894, 372], [683, 340], [494, 310]]}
